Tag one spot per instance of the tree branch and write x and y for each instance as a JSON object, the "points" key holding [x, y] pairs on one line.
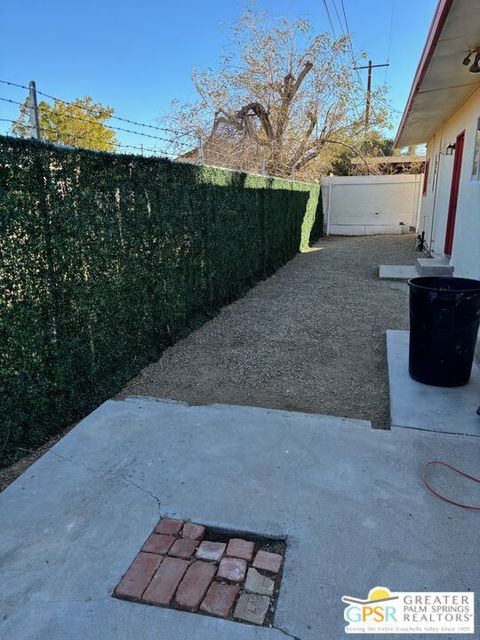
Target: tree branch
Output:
{"points": [[261, 113]]}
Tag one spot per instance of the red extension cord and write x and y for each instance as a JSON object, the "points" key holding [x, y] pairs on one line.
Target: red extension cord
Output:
{"points": [[455, 470]]}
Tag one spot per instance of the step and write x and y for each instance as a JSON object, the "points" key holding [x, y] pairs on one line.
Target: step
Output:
{"points": [[397, 272], [434, 267]]}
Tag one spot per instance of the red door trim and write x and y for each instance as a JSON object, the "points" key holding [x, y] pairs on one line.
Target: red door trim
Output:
{"points": [[454, 189]]}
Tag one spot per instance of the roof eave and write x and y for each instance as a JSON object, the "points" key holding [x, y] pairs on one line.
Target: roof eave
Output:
{"points": [[441, 13]]}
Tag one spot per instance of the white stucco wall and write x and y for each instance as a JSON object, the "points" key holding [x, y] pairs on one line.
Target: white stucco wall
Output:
{"points": [[434, 213], [364, 205]]}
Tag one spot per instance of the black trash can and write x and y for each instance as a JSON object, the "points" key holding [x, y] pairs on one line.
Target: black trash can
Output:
{"points": [[444, 321]]}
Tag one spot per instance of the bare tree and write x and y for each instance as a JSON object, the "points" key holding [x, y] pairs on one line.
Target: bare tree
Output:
{"points": [[282, 98]]}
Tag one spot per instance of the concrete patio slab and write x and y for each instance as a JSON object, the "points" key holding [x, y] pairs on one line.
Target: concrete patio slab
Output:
{"points": [[348, 498], [397, 272], [421, 406]]}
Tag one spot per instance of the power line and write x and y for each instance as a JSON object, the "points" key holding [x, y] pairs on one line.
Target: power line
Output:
{"points": [[329, 18], [338, 17], [350, 41], [348, 36], [390, 38], [368, 89]]}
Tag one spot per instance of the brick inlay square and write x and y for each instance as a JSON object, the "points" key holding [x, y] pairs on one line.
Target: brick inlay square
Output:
{"points": [[186, 565]]}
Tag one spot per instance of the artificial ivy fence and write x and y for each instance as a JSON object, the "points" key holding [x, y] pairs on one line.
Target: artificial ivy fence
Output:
{"points": [[107, 259]]}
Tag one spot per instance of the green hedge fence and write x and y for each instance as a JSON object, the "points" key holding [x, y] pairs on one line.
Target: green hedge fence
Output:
{"points": [[107, 259]]}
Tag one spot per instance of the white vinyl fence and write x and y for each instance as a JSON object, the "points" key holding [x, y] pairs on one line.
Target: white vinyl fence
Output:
{"points": [[363, 205]]}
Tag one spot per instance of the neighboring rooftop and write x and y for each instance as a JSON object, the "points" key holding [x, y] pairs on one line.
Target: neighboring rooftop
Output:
{"points": [[442, 83]]}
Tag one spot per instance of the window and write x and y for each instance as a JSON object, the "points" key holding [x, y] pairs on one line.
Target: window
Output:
{"points": [[425, 177], [476, 154]]}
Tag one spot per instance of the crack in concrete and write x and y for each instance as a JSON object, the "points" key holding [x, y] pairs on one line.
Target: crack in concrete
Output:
{"points": [[158, 503], [109, 475], [286, 633]]}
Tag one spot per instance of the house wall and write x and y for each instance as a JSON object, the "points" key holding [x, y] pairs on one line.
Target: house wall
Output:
{"points": [[364, 205], [466, 243]]}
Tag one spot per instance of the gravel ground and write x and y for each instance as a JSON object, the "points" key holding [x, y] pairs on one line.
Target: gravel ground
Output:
{"points": [[310, 338]]}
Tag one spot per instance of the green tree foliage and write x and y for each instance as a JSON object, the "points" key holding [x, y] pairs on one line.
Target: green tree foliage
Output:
{"points": [[374, 144], [80, 123]]}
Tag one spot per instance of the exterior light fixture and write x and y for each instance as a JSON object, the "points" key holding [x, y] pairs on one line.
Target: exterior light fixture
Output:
{"points": [[475, 68], [450, 149]]}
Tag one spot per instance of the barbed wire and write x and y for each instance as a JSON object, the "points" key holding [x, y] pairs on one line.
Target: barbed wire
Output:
{"points": [[118, 145], [219, 151], [215, 151], [95, 122], [92, 109]]}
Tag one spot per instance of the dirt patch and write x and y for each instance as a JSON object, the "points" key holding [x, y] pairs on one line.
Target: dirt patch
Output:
{"points": [[310, 338]]}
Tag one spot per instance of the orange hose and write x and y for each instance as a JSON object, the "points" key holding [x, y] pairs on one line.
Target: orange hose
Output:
{"points": [[455, 470]]}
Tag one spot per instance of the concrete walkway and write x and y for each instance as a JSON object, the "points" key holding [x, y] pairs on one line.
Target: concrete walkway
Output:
{"points": [[348, 498], [420, 406], [310, 338]]}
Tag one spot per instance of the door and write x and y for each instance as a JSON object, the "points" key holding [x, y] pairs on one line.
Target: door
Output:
{"points": [[452, 206]]}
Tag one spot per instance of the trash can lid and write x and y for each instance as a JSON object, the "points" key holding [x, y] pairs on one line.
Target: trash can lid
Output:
{"points": [[445, 283]]}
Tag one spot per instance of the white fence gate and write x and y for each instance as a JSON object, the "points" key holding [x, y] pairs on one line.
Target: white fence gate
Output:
{"points": [[363, 205]]}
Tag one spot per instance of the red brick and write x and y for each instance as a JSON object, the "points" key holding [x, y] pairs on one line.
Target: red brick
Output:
{"points": [[183, 548], [138, 576], [193, 531], [232, 569], [157, 543], [211, 550], [219, 599], [268, 561], [195, 583], [169, 526], [239, 548], [165, 581]]}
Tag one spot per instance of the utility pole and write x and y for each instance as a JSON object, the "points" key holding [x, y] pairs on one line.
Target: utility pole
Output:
{"points": [[369, 66], [33, 110]]}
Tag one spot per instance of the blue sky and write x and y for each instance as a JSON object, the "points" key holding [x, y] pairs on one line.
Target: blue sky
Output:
{"points": [[138, 56]]}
